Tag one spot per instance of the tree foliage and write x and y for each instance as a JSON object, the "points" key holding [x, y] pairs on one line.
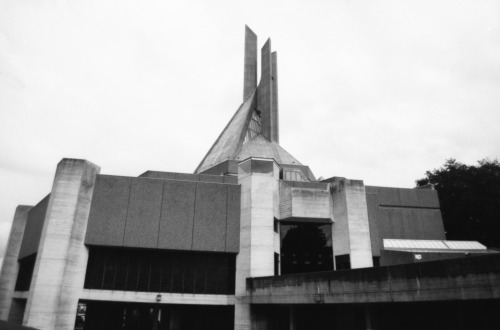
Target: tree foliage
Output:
{"points": [[470, 199]]}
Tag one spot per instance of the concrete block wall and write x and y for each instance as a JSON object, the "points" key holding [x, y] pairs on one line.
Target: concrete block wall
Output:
{"points": [[165, 214], [403, 213], [305, 202], [351, 231], [10, 267], [59, 272]]}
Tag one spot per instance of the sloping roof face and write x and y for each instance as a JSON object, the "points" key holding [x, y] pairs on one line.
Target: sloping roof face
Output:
{"points": [[263, 148], [411, 245], [231, 138]]}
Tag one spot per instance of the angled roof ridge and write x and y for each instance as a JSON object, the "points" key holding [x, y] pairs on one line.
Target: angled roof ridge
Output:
{"points": [[227, 138], [267, 149]]}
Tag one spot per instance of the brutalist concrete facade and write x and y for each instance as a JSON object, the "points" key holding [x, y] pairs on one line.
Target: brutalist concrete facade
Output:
{"points": [[251, 209]]}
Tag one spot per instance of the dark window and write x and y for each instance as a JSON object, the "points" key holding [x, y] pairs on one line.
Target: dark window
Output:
{"points": [[160, 271], [26, 266], [376, 261], [276, 225], [343, 262], [305, 247], [276, 264]]}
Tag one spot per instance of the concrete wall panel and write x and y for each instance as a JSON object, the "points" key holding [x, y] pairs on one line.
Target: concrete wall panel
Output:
{"points": [[33, 229], [412, 224], [176, 227], [143, 217], [233, 218], [432, 224], [391, 223], [158, 175], [428, 198], [108, 212], [211, 178], [387, 196], [311, 203], [409, 197], [210, 217]]}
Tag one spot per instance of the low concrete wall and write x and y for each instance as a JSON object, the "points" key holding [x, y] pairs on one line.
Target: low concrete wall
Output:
{"points": [[456, 279]]}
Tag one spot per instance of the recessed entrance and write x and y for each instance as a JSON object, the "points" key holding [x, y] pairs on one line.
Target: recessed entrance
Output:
{"points": [[133, 316]]}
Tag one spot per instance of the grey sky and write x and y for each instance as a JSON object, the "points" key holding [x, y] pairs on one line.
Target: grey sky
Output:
{"points": [[374, 90]]}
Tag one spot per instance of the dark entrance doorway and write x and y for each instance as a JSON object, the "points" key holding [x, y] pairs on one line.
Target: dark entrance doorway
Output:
{"points": [[135, 316]]}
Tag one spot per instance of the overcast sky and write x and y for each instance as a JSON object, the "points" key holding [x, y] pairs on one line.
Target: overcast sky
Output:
{"points": [[374, 90]]}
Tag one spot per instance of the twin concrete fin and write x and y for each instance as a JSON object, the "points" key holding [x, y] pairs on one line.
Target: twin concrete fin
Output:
{"points": [[250, 71], [267, 93], [261, 98]]}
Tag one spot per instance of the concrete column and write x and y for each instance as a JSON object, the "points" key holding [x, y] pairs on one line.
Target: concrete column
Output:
{"points": [[351, 230], [60, 267], [10, 267], [256, 256]]}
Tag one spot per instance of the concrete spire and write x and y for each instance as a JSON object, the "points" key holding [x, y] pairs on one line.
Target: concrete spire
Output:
{"points": [[267, 93], [250, 70], [275, 134], [264, 98]]}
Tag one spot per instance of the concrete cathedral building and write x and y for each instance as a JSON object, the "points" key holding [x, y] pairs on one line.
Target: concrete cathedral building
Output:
{"points": [[251, 240]]}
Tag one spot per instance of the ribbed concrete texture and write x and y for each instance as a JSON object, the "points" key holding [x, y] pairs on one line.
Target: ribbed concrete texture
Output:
{"points": [[59, 272], [256, 257], [10, 266], [351, 231]]}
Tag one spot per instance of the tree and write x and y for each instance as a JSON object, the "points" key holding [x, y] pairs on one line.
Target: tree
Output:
{"points": [[469, 198]]}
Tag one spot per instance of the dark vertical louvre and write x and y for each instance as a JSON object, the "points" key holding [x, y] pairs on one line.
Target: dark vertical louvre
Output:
{"points": [[189, 274], [177, 274], [95, 269], [121, 272], [160, 271], [200, 277], [166, 275], [133, 273], [155, 277], [144, 270], [211, 284], [109, 272]]}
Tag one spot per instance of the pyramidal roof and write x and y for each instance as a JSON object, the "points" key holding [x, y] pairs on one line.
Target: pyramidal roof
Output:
{"points": [[254, 129]]}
